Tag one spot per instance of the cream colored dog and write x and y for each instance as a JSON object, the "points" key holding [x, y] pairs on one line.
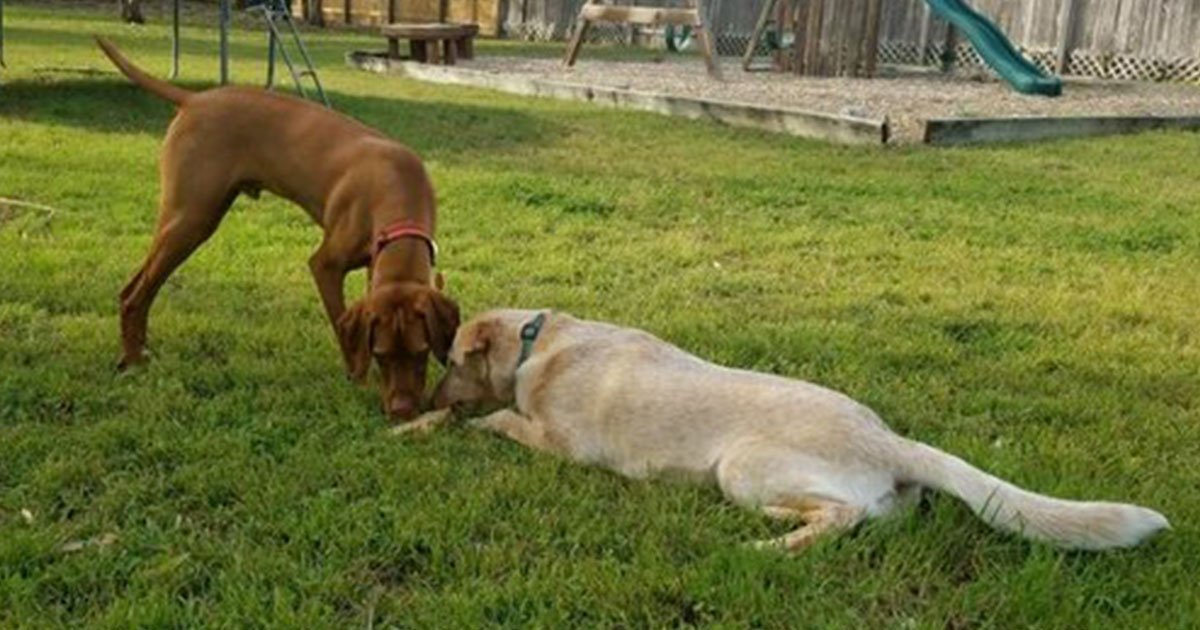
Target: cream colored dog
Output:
{"points": [[625, 400]]}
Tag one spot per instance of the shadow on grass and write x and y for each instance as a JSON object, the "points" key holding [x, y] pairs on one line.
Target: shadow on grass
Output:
{"points": [[114, 106]]}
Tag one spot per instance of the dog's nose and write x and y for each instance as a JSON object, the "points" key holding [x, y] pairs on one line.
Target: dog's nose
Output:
{"points": [[401, 408]]}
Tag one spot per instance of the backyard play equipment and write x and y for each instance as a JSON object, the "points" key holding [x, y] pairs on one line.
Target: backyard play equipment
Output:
{"points": [[280, 28], [830, 37], [841, 38], [690, 15], [999, 53], [278, 17]]}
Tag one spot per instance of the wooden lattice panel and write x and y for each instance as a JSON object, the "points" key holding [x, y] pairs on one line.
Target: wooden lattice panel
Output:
{"points": [[1186, 70], [899, 52], [1126, 68], [533, 31], [1084, 65]]}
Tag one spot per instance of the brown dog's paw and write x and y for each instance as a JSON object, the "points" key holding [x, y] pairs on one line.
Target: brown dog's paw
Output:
{"points": [[132, 360]]}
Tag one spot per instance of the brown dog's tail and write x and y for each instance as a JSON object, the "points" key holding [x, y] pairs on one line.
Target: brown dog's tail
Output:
{"points": [[158, 87]]}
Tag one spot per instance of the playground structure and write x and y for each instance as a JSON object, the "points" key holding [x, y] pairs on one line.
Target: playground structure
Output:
{"points": [[280, 29], [689, 16], [828, 38], [841, 38]]}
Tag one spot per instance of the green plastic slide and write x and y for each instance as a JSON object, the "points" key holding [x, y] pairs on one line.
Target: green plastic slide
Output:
{"points": [[996, 50]]}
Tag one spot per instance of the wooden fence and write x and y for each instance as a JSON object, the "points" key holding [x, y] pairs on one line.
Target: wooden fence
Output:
{"points": [[1120, 39], [1124, 39], [486, 13]]}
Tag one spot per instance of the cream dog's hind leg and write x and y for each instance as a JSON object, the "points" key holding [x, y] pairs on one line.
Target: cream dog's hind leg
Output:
{"points": [[819, 516], [786, 484]]}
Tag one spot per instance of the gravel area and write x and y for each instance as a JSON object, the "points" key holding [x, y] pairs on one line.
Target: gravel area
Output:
{"points": [[906, 98]]}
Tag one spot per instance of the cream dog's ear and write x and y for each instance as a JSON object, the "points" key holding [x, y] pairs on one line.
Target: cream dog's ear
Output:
{"points": [[479, 337]]}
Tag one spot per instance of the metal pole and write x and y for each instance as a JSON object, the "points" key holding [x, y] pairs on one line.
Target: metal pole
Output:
{"points": [[271, 43], [224, 28], [175, 40], [307, 62], [2, 35]]}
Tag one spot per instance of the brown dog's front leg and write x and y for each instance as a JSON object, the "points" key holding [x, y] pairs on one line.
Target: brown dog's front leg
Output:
{"points": [[330, 277]]}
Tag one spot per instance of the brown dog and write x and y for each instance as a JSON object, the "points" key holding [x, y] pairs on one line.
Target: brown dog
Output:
{"points": [[371, 196]]}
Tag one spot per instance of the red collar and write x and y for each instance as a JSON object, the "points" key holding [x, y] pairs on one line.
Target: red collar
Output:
{"points": [[400, 229]]}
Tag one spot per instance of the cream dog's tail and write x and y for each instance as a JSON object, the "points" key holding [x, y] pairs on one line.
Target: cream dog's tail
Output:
{"points": [[158, 87], [1072, 524]]}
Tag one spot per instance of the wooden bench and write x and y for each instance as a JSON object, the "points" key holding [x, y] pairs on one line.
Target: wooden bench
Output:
{"points": [[432, 42]]}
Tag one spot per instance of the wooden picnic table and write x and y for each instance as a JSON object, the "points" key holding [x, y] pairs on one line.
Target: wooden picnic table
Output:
{"points": [[432, 42]]}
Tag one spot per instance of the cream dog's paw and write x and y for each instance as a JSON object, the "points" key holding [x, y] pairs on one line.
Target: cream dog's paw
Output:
{"points": [[424, 423]]}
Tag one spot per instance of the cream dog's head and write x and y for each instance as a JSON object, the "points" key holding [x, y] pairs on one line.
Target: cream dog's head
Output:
{"points": [[482, 363]]}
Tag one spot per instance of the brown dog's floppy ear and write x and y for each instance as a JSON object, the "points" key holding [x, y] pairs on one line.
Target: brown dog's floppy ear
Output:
{"points": [[441, 324], [354, 333]]}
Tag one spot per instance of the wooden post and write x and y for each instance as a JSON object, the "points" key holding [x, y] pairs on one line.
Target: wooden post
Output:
{"points": [[346, 11], [812, 37], [707, 39], [800, 16], [835, 39], [923, 39], [759, 28], [391, 11], [785, 22], [1066, 29], [852, 38], [949, 48], [581, 28], [871, 40]]}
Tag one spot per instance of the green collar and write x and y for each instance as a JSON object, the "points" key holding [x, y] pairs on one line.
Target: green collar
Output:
{"points": [[529, 334]]}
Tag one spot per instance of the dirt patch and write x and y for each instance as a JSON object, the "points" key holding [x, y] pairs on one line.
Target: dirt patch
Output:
{"points": [[906, 97]]}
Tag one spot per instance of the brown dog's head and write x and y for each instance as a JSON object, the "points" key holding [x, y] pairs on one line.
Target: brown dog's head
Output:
{"points": [[482, 363], [398, 324]]}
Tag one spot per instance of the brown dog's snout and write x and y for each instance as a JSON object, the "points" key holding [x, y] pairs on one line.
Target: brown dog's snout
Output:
{"points": [[401, 407]]}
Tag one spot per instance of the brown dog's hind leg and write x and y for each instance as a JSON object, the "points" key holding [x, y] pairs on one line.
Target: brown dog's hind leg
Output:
{"points": [[181, 229]]}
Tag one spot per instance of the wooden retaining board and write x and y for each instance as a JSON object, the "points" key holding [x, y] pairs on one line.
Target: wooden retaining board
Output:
{"points": [[796, 122], [947, 131]]}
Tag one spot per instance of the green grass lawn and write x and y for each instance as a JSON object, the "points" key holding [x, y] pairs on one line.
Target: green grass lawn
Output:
{"points": [[1033, 309]]}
